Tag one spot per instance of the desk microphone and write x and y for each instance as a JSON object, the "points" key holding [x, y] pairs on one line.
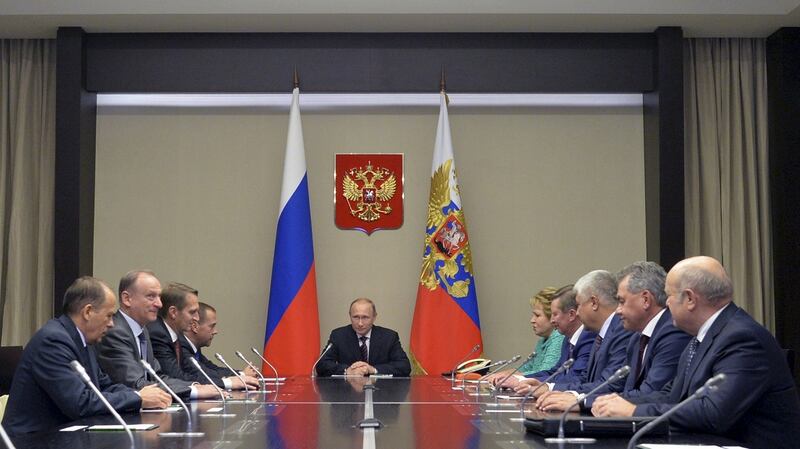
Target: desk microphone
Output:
{"points": [[219, 390], [235, 373], [175, 396], [711, 385], [263, 359], [453, 371], [619, 374], [6, 439], [314, 366], [564, 366], [533, 354], [261, 376], [81, 371]]}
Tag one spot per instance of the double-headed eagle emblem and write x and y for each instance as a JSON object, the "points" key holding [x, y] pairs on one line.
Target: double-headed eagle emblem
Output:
{"points": [[369, 189]]}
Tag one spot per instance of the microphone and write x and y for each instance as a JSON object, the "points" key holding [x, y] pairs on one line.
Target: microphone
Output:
{"points": [[262, 380], [564, 366], [453, 371], [7, 440], [235, 373], [81, 371], [219, 390], [619, 374], [711, 385], [263, 359], [314, 366], [533, 354], [175, 396]]}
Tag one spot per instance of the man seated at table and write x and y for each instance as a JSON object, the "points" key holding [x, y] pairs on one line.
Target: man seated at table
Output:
{"points": [[757, 404], [362, 348], [128, 343], [46, 391], [199, 336]]}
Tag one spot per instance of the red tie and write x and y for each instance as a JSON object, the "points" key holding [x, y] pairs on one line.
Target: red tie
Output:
{"points": [[177, 345]]}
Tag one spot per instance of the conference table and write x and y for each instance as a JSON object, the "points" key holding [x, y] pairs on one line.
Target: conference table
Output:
{"points": [[354, 412]]}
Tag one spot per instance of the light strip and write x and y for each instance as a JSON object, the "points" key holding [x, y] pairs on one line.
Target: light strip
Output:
{"points": [[317, 101]]}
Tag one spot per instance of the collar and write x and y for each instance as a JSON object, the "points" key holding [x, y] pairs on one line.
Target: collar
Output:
{"points": [[368, 334], [194, 348], [83, 339], [701, 334], [172, 334], [135, 327], [576, 336], [606, 325], [651, 325]]}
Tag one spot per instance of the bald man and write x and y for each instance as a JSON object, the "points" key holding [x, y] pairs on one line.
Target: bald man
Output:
{"points": [[757, 405], [363, 349]]}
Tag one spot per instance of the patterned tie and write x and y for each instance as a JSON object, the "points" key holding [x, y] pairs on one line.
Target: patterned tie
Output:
{"points": [[571, 351], [597, 342], [143, 346], [692, 350], [642, 345], [177, 346], [364, 351]]}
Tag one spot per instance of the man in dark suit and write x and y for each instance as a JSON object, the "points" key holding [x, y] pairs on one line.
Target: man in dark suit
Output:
{"points": [[46, 392], [362, 349], [128, 342], [654, 350], [757, 405], [577, 344], [597, 301], [199, 336]]}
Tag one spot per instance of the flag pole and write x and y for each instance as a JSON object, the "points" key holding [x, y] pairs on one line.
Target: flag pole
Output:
{"points": [[443, 87], [295, 79]]}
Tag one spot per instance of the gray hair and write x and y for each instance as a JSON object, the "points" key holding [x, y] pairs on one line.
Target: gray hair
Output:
{"points": [[645, 275], [599, 283], [707, 284]]}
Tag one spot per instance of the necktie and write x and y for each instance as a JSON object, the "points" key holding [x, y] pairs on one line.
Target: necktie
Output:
{"points": [[571, 351], [143, 346], [177, 345], [597, 342], [197, 355], [692, 350], [364, 351], [642, 344]]}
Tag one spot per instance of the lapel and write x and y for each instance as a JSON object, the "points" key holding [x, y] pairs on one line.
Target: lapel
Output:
{"points": [[595, 358], [705, 345], [374, 343], [83, 353], [666, 317]]}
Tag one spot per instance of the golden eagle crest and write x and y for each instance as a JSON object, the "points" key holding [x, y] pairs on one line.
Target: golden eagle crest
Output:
{"points": [[368, 191]]}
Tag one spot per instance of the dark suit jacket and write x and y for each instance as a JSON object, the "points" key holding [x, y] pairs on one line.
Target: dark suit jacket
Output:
{"points": [[757, 405], [609, 357], [385, 352], [581, 354], [47, 393], [216, 373], [118, 354]]}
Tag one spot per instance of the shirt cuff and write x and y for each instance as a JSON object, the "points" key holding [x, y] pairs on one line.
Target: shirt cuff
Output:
{"points": [[228, 383], [193, 394]]}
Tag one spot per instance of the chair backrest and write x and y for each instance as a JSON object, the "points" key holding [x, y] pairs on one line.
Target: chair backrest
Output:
{"points": [[9, 359]]}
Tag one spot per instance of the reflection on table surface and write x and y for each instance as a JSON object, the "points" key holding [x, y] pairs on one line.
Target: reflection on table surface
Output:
{"points": [[418, 412]]}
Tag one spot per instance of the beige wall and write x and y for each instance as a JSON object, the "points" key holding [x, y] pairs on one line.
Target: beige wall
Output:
{"points": [[193, 194]]}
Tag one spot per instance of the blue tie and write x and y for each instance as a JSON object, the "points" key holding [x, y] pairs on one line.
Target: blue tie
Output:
{"points": [[143, 345], [692, 351]]}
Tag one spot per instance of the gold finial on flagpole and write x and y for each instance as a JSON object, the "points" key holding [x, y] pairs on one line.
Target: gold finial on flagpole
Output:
{"points": [[295, 79], [443, 87]]}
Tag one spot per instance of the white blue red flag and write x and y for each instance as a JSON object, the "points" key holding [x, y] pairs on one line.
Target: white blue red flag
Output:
{"points": [[446, 325], [292, 335]]}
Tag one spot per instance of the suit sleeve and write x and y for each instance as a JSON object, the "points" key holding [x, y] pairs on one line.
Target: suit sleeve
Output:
{"points": [[75, 399], [165, 354], [617, 353], [664, 364], [398, 364], [120, 360], [744, 361]]}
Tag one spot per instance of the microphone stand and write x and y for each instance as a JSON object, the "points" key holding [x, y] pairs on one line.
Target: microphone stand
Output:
{"points": [[533, 354], [7, 440], [314, 366], [619, 374], [501, 363], [164, 385], [453, 371], [564, 366], [81, 371], [262, 381], [263, 359], [235, 373], [219, 390], [711, 385]]}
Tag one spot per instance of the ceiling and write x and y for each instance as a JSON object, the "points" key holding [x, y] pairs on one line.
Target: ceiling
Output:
{"points": [[698, 18]]}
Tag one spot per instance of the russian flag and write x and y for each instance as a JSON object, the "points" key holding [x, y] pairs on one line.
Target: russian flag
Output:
{"points": [[446, 324], [292, 335]]}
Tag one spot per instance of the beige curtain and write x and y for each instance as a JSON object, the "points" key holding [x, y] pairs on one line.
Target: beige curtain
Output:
{"points": [[27, 168], [726, 159]]}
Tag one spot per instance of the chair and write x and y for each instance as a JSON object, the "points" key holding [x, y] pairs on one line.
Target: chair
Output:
{"points": [[9, 359]]}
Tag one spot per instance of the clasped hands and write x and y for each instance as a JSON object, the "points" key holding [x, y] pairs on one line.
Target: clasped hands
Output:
{"points": [[360, 368]]}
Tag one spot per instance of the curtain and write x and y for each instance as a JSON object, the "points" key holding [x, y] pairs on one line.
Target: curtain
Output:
{"points": [[726, 162], [27, 170]]}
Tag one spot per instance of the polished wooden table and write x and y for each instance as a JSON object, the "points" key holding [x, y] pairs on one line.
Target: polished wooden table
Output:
{"points": [[418, 412]]}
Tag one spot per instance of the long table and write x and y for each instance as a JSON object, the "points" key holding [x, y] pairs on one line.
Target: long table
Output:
{"points": [[396, 413]]}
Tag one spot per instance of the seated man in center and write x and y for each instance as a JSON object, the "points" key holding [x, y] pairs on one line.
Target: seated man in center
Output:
{"points": [[362, 349]]}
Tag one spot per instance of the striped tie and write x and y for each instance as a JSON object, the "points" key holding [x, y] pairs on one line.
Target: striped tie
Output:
{"points": [[364, 351]]}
